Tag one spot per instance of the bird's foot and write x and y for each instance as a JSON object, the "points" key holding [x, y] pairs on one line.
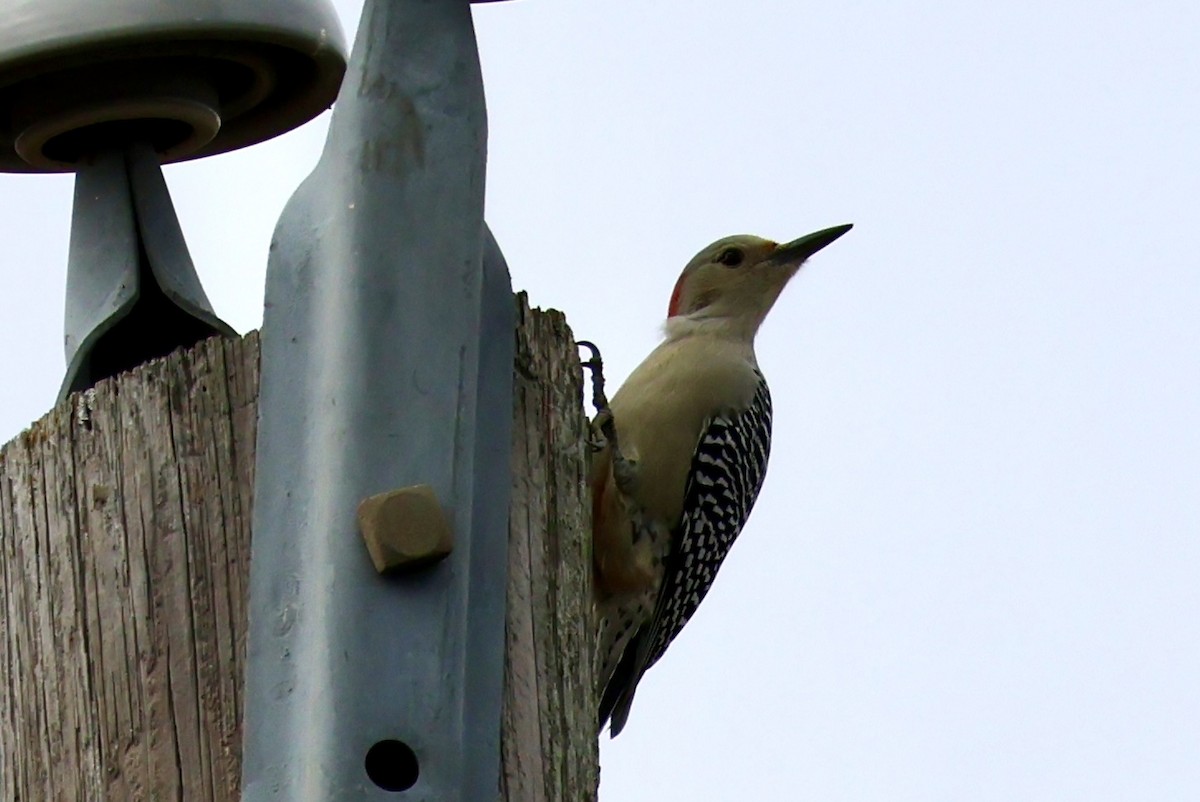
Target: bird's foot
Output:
{"points": [[600, 430], [596, 365], [603, 430], [603, 427]]}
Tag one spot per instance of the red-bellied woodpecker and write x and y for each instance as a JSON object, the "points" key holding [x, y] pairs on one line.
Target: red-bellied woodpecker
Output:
{"points": [[685, 448]]}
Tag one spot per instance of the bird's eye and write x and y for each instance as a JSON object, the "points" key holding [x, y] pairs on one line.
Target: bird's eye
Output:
{"points": [[731, 257]]}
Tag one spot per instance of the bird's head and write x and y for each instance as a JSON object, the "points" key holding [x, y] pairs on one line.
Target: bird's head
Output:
{"points": [[733, 283]]}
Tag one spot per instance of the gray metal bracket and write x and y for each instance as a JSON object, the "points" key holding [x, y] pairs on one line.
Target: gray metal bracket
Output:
{"points": [[132, 290], [387, 354]]}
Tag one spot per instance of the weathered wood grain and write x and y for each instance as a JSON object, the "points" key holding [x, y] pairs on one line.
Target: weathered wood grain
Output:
{"points": [[549, 723], [124, 544], [124, 551]]}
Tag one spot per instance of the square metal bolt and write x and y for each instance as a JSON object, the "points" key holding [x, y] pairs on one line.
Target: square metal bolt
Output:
{"points": [[405, 529]]}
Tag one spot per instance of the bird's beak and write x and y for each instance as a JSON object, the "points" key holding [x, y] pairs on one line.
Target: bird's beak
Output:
{"points": [[796, 251]]}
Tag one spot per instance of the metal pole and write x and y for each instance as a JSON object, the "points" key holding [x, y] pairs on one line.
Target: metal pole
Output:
{"points": [[387, 362]]}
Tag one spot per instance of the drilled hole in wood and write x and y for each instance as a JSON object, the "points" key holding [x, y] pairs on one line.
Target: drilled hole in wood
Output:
{"points": [[392, 765]]}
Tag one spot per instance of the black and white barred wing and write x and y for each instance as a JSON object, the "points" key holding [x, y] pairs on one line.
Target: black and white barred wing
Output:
{"points": [[727, 473]]}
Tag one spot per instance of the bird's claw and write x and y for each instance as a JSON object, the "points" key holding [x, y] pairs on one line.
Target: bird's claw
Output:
{"points": [[602, 430], [603, 427], [596, 365]]}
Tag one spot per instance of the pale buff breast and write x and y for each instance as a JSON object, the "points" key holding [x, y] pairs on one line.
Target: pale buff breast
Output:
{"points": [[661, 408]]}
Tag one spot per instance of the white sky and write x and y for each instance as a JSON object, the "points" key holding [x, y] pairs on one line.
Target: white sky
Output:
{"points": [[973, 571]]}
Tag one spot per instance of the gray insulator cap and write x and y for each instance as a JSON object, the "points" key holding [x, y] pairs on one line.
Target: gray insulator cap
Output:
{"points": [[191, 78]]}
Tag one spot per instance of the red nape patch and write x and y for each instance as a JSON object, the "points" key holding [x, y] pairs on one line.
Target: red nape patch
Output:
{"points": [[673, 308]]}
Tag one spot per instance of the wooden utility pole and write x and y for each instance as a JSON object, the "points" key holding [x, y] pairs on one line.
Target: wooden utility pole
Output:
{"points": [[124, 555]]}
